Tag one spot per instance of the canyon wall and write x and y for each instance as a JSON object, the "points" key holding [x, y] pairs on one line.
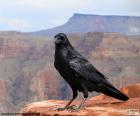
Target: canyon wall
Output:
{"points": [[27, 73]]}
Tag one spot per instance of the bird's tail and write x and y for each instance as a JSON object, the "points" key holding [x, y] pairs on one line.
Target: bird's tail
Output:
{"points": [[113, 92]]}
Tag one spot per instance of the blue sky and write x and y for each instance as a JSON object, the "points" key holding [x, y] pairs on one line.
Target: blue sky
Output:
{"points": [[32, 15]]}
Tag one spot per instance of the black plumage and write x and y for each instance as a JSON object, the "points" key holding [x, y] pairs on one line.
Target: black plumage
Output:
{"points": [[80, 74]]}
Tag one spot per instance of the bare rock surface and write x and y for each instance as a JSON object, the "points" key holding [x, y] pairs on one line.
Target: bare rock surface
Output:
{"points": [[97, 106]]}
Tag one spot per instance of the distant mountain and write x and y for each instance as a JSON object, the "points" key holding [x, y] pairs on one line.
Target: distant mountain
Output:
{"points": [[80, 23]]}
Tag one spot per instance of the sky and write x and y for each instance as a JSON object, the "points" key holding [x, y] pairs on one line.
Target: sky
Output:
{"points": [[33, 15]]}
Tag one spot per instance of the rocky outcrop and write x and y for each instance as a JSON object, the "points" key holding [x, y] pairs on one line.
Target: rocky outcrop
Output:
{"points": [[97, 106]]}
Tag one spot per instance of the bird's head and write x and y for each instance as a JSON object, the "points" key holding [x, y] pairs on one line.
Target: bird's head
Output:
{"points": [[61, 38]]}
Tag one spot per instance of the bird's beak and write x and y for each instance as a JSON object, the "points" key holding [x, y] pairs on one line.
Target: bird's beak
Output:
{"points": [[56, 40]]}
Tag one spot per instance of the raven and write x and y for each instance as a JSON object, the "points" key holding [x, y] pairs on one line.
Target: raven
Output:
{"points": [[79, 73]]}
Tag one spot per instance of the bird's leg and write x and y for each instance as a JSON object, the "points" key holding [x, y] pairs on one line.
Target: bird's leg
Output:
{"points": [[85, 92], [68, 105], [81, 106], [74, 96], [75, 108]]}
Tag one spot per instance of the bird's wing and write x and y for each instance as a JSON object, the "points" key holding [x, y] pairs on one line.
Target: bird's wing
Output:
{"points": [[84, 69]]}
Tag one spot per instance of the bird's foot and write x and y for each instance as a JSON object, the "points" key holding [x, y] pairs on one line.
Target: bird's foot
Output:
{"points": [[73, 108], [60, 109], [81, 107]]}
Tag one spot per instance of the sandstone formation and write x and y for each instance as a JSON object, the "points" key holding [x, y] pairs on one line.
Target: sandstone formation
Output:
{"points": [[96, 106]]}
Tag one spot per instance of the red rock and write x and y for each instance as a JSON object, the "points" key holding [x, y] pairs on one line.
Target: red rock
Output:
{"points": [[97, 106]]}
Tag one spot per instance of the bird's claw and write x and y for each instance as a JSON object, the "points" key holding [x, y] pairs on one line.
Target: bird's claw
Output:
{"points": [[81, 107], [73, 108], [60, 109]]}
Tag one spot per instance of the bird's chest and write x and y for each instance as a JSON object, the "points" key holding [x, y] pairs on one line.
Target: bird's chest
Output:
{"points": [[61, 61]]}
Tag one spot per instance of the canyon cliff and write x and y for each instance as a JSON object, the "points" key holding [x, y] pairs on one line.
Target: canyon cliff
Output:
{"points": [[27, 73]]}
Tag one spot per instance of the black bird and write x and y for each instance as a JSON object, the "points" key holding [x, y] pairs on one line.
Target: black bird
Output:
{"points": [[80, 74]]}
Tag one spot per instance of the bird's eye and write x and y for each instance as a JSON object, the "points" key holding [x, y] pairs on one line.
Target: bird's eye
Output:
{"points": [[61, 38]]}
